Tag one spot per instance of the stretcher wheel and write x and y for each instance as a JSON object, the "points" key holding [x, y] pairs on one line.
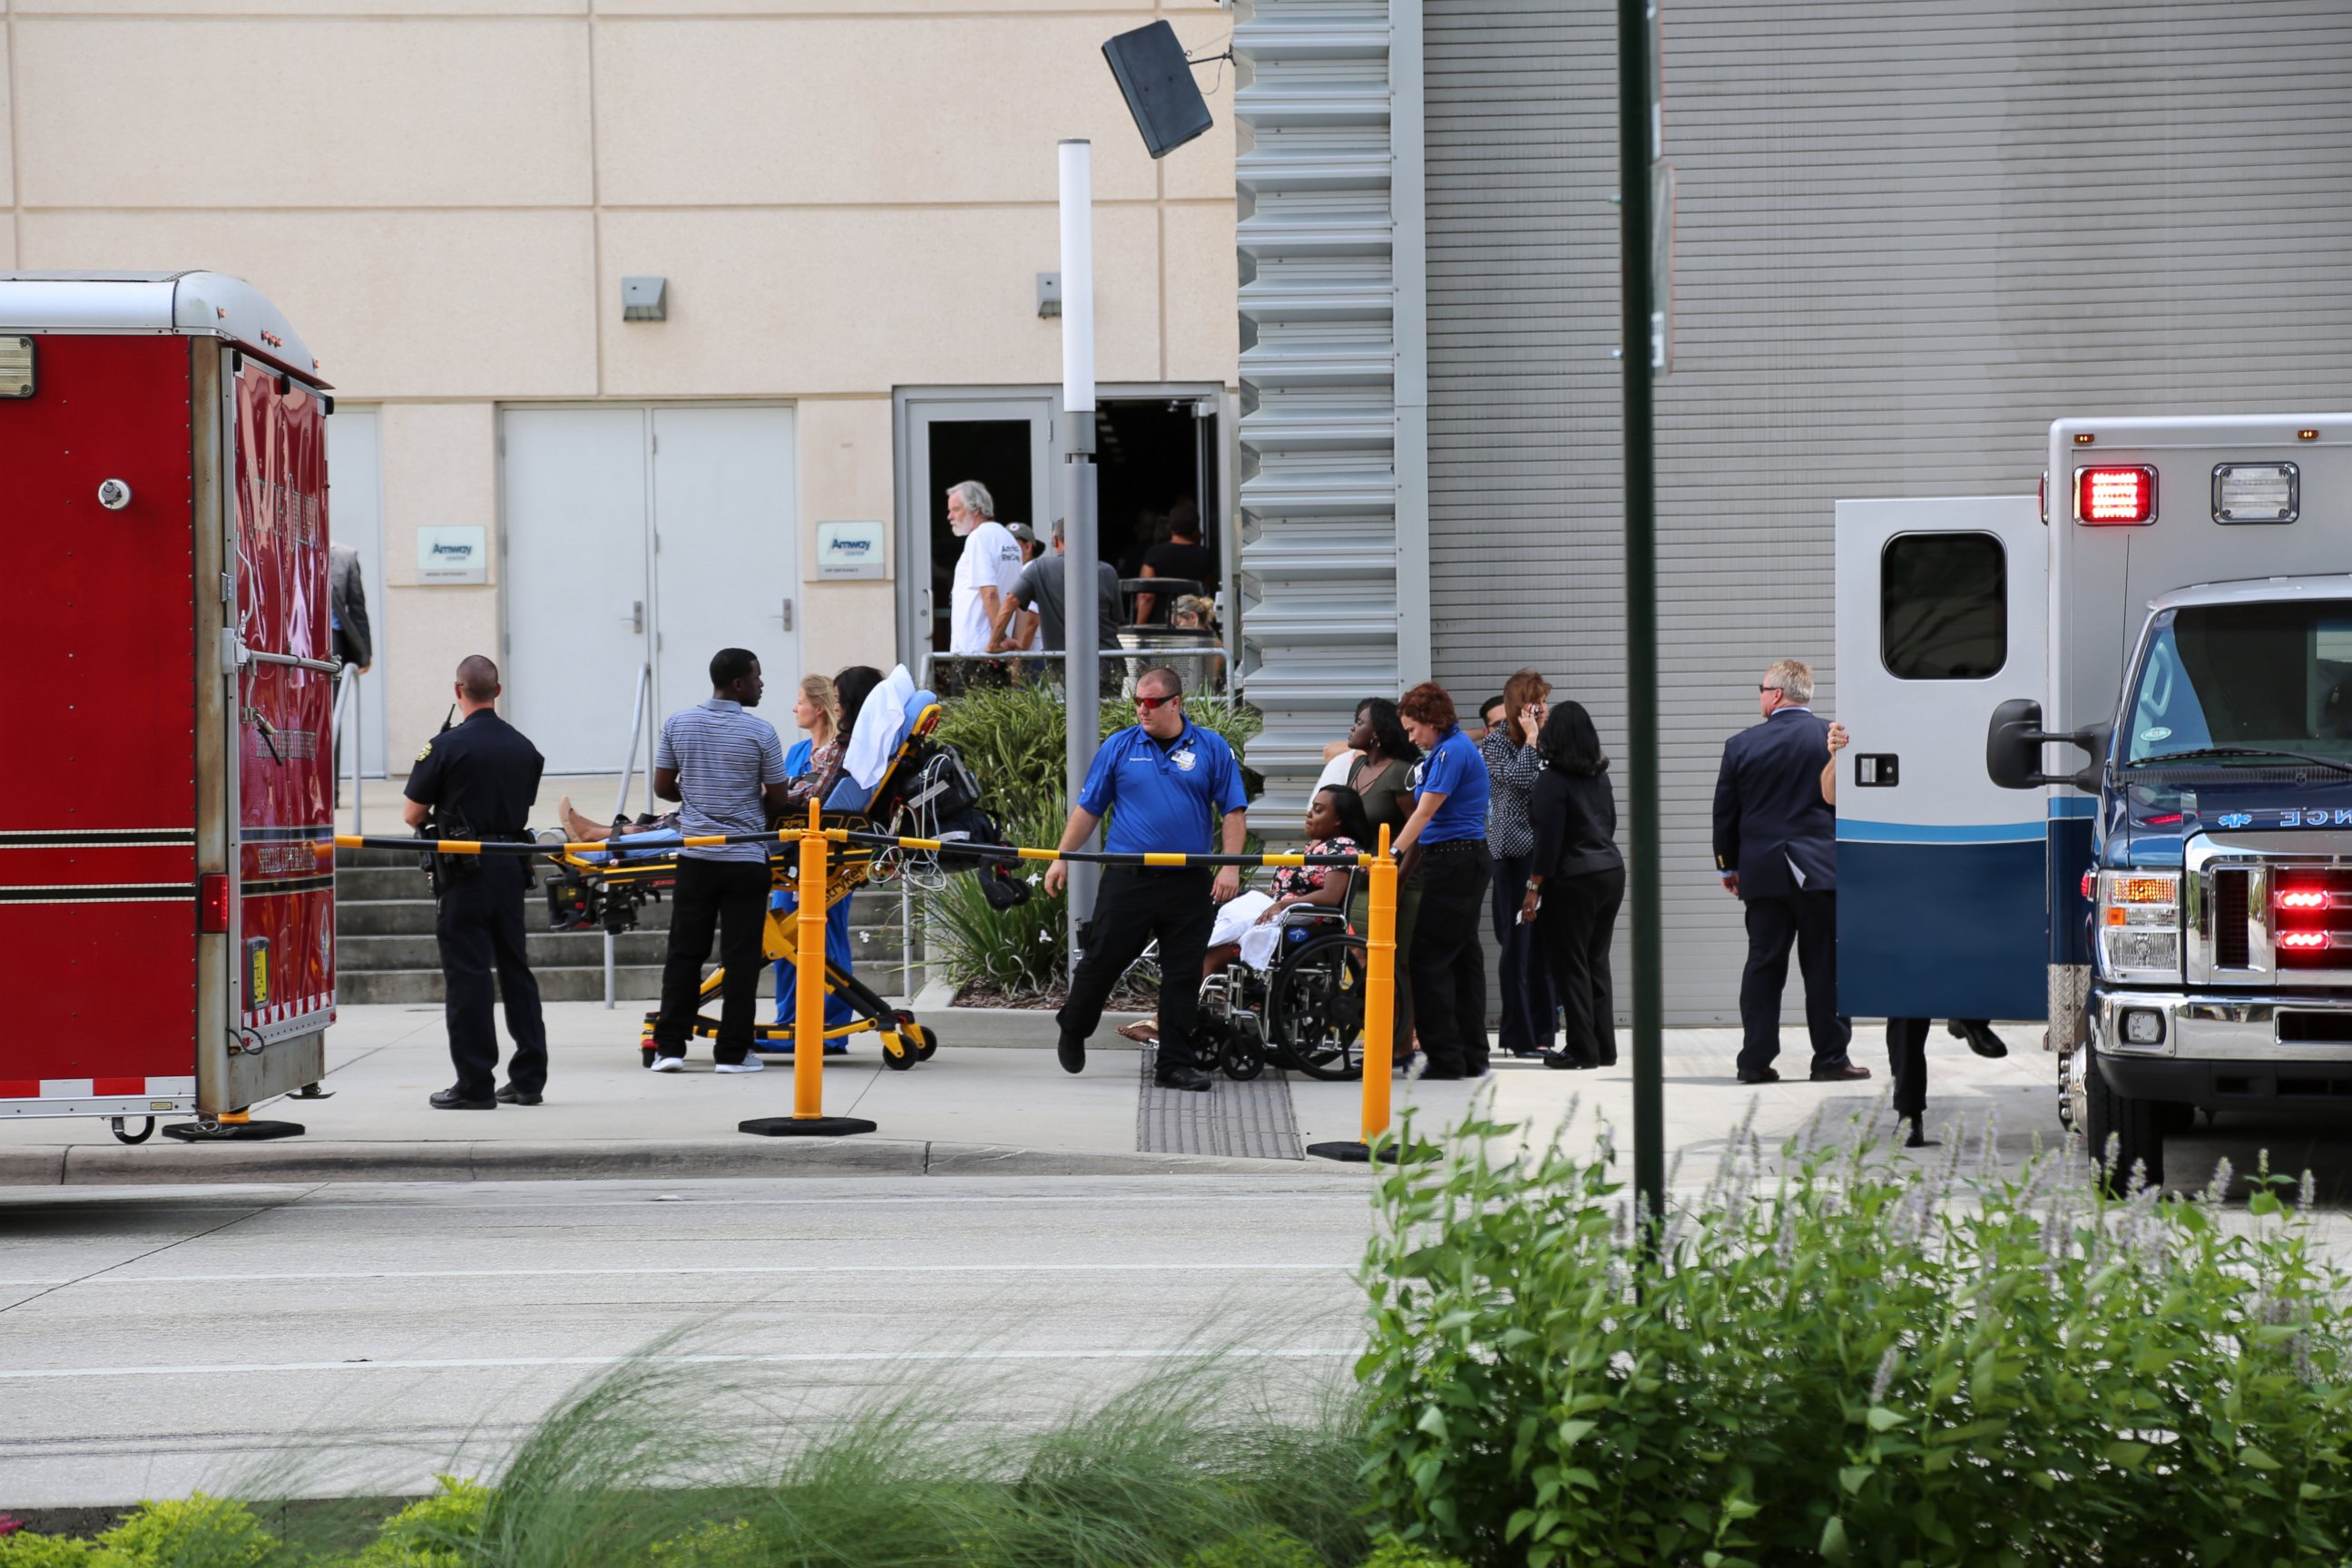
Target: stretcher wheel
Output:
{"points": [[925, 1043], [645, 1055], [904, 1058]]}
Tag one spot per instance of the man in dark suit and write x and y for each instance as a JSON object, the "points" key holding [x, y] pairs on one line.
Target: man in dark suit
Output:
{"points": [[1776, 849]]}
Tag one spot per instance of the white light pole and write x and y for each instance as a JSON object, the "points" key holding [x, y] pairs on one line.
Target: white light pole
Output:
{"points": [[1082, 659]]}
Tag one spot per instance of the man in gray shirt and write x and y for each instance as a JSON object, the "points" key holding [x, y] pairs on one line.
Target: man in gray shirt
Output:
{"points": [[1038, 596], [725, 767]]}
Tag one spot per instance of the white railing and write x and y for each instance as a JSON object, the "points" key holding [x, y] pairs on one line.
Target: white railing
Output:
{"points": [[621, 804]]}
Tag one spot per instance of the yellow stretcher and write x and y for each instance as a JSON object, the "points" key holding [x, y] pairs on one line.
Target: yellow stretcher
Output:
{"points": [[629, 876]]}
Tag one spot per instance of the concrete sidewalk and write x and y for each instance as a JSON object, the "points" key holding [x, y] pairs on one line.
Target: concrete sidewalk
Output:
{"points": [[993, 1100]]}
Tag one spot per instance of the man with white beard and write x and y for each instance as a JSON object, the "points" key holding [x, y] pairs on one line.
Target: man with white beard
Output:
{"points": [[985, 573]]}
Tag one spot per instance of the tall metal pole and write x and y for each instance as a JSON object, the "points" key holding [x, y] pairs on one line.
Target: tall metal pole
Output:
{"points": [[1636, 150], [1081, 548]]}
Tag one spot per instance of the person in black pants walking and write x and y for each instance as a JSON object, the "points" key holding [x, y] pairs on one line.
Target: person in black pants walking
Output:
{"points": [[1776, 849], [725, 767], [1444, 845], [477, 780], [1575, 884], [1163, 782]]}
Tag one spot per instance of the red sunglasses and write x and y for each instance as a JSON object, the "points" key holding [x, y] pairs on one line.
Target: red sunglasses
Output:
{"points": [[1149, 703]]}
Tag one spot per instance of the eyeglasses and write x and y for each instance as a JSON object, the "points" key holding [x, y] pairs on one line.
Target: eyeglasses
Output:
{"points": [[1772, 689], [1149, 703]]}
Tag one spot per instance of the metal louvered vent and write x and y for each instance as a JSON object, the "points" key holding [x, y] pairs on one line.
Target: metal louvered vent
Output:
{"points": [[1319, 489]]}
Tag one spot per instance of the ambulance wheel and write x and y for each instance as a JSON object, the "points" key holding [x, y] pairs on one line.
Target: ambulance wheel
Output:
{"points": [[2135, 1126], [904, 1058]]}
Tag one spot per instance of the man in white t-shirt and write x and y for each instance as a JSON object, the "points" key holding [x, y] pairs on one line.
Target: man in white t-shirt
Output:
{"points": [[986, 571]]}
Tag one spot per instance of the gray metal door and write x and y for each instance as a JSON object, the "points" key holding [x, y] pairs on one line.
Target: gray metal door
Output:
{"points": [[727, 564]]}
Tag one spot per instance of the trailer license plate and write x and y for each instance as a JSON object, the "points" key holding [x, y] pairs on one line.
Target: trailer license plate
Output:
{"points": [[15, 367]]}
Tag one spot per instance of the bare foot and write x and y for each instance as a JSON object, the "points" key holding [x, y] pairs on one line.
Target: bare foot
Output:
{"points": [[582, 830], [1146, 1033]]}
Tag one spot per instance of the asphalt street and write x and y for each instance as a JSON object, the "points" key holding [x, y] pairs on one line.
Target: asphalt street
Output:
{"points": [[325, 1340]]}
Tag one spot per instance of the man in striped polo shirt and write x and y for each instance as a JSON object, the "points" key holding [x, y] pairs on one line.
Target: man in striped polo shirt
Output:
{"points": [[725, 767]]}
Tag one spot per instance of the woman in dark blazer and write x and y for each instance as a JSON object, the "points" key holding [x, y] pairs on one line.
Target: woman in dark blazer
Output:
{"points": [[1576, 883]]}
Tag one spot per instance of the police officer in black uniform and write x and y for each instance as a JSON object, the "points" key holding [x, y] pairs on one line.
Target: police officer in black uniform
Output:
{"points": [[477, 780]]}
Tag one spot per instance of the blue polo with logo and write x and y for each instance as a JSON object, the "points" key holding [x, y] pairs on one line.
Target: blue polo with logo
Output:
{"points": [[1163, 800], [1453, 769]]}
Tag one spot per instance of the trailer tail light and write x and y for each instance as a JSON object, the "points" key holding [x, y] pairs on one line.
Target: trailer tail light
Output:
{"points": [[2303, 899], [212, 902], [2114, 495], [2302, 941]]}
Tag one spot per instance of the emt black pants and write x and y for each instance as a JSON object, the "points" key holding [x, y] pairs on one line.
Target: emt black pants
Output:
{"points": [[1809, 922], [1449, 968], [1133, 906], [1574, 930], [478, 924], [729, 898]]}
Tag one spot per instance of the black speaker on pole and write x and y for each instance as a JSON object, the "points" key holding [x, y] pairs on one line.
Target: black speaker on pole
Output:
{"points": [[1157, 82]]}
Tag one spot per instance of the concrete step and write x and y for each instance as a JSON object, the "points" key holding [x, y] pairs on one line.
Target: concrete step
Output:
{"points": [[549, 950], [413, 915], [420, 987]]}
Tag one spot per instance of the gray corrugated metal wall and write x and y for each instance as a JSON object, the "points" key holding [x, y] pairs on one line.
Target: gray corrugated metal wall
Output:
{"points": [[1908, 238]]}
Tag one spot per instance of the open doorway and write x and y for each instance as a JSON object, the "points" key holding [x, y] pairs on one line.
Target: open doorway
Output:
{"points": [[997, 453], [1154, 463]]}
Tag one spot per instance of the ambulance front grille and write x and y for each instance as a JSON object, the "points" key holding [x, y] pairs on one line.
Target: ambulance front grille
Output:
{"points": [[2232, 942]]}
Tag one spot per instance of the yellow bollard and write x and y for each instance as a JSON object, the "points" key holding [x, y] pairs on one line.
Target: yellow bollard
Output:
{"points": [[1380, 1013], [808, 1119], [808, 974], [1379, 993]]}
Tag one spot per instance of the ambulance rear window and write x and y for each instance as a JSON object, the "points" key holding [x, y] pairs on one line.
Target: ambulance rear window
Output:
{"points": [[1943, 606]]}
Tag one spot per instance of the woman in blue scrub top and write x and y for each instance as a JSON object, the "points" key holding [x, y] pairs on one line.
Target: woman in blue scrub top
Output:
{"points": [[1444, 844], [812, 764]]}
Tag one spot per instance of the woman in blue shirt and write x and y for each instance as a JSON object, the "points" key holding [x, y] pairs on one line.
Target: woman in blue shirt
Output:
{"points": [[1445, 845], [813, 763]]}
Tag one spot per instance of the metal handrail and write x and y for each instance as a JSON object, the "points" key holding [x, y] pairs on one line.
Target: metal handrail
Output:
{"points": [[621, 805]]}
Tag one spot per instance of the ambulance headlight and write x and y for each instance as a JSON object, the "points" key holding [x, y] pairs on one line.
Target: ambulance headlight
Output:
{"points": [[2257, 492], [2139, 924], [2143, 1026]]}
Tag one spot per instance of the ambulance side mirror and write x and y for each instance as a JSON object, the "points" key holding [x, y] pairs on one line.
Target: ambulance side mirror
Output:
{"points": [[2013, 745]]}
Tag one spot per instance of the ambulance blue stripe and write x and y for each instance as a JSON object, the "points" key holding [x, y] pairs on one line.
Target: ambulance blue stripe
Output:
{"points": [[2061, 805], [1850, 832]]}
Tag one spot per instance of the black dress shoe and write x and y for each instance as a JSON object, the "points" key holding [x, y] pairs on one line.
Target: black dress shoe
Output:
{"points": [[450, 1100], [1916, 1139], [1191, 1080], [1434, 1073], [1072, 1052], [510, 1095], [1761, 1074], [1849, 1073], [1566, 1063], [1979, 1037]]}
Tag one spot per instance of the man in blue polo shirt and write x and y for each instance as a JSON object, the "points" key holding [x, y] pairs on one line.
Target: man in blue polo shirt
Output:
{"points": [[1164, 782]]}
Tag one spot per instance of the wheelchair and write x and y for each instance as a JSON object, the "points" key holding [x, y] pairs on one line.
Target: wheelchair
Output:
{"points": [[1304, 1012]]}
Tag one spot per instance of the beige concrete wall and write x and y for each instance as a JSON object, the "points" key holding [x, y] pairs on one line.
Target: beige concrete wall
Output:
{"points": [[845, 197]]}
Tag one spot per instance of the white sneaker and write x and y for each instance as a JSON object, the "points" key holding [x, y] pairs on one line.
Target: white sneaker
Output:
{"points": [[749, 1064], [669, 1064]]}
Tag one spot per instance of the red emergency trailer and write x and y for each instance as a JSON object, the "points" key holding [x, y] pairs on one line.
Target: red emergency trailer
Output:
{"points": [[167, 885]]}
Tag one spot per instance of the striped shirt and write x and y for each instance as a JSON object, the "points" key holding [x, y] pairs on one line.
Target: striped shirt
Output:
{"points": [[1511, 773], [723, 757]]}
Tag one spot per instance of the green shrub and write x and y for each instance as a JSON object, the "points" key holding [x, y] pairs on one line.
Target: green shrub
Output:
{"points": [[1024, 950], [1014, 739], [1387, 1551], [443, 1531], [1268, 1546], [23, 1548], [1865, 1363]]}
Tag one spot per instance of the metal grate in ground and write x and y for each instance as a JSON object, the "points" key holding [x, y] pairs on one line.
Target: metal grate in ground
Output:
{"points": [[1252, 1120]]}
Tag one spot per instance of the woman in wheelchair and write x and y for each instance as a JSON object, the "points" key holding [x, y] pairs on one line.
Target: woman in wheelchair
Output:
{"points": [[1250, 927]]}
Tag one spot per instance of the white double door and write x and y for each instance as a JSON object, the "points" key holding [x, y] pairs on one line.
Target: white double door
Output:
{"points": [[642, 537]]}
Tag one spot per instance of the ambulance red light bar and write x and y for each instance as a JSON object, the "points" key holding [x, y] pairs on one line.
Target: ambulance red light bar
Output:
{"points": [[2302, 941], [2118, 495], [2303, 899]]}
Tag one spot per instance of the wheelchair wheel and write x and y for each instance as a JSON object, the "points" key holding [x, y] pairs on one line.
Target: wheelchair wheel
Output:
{"points": [[1240, 1060], [1315, 1010]]}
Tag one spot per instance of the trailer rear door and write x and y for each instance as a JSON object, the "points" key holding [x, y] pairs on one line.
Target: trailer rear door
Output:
{"points": [[97, 796], [1941, 882]]}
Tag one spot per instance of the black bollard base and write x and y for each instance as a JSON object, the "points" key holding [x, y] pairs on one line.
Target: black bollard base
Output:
{"points": [[805, 1126], [232, 1131], [1353, 1153]]}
